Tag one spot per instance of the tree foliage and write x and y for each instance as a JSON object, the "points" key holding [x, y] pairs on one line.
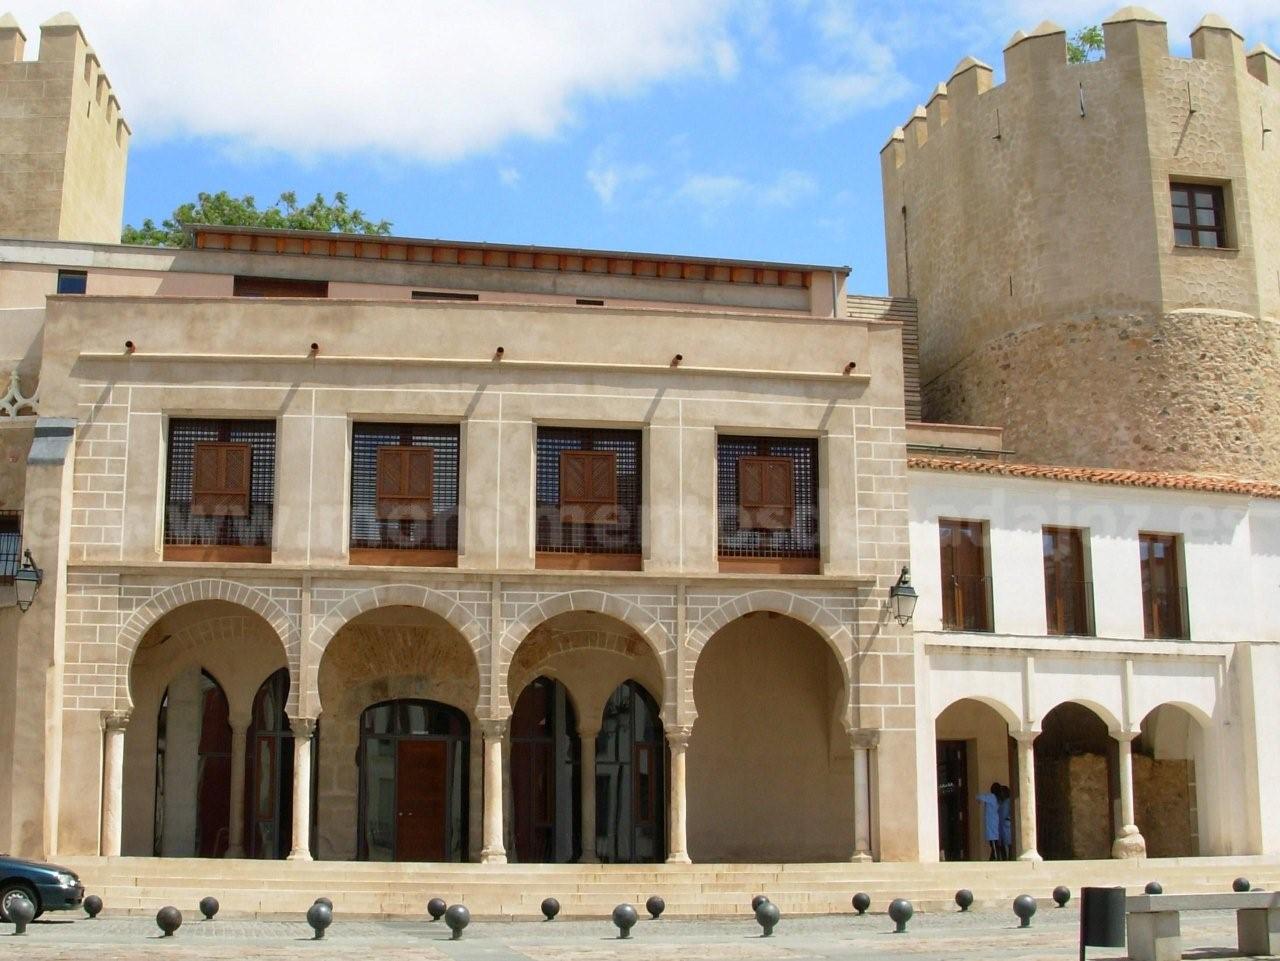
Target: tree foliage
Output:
{"points": [[223, 210], [1084, 44]]}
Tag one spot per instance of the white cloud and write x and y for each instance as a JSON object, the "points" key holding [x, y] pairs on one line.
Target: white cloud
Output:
{"points": [[423, 80], [713, 192], [853, 69], [606, 174], [509, 177]]}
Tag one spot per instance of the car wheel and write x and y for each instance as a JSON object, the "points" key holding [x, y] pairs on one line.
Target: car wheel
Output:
{"points": [[11, 890]]}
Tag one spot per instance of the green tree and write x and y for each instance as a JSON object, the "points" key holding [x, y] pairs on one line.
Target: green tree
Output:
{"points": [[1084, 44], [222, 209]]}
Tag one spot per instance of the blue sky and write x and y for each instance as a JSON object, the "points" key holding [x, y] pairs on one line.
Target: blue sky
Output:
{"points": [[732, 128]]}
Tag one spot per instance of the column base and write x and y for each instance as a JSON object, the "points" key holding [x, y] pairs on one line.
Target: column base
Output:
{"points": [[1130, 843], [299, 856], [588, 859], [1030, 856], [861, 857], [493, 857], [236, 852], [680, 858]]}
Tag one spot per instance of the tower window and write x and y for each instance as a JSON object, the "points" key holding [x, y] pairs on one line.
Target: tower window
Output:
{"points": [[72, 281], [1199, 215]]}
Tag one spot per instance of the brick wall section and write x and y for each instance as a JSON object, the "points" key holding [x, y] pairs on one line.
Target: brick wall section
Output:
{"points": [[97, 497]]}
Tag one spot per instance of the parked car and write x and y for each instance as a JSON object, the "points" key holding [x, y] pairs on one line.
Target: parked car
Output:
{"points": [[49, 887]]}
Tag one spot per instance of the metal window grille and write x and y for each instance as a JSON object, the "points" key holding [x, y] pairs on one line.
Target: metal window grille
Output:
{"points": [[555, 536], [10, 545], [437, 532], [801, 540], [181, 526]]}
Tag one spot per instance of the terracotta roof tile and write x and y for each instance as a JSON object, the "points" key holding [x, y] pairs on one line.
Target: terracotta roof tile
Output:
{"points": [[1099, 475]]}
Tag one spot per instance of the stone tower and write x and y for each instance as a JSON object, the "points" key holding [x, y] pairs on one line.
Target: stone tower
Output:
{"points": [[1034, 221], [63, 143]]}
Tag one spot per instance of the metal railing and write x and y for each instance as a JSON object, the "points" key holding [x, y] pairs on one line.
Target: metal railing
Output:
{"points": [[966, 603]]}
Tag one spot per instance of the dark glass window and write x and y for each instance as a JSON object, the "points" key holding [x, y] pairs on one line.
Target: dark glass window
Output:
{"points": [[1068, 592], [72, 281], [10, 545], [244, 522], [279, 287], [757, 523], [1199, 215], [434, 529], [966, 587], [442, 295], [1161, 586], [569, 524]]}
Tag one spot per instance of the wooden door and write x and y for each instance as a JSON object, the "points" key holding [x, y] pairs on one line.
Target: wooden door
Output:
{"points": [[953, 800], [422, 800]]}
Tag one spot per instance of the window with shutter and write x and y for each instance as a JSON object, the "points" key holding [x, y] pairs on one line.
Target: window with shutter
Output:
{"points": [[405, 482], [220, 479], [766, 493], [588, 487]]}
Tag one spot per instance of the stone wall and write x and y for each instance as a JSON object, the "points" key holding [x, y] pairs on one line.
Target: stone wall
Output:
{"points": [[1162, 806], [1187, 391]]}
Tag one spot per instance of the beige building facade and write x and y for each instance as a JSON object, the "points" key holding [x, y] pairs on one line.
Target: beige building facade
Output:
{"points": [[364, 548]]}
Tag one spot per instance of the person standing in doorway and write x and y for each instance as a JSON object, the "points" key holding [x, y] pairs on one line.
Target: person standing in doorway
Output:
{"points": [[1004, 798], [990, 802]]}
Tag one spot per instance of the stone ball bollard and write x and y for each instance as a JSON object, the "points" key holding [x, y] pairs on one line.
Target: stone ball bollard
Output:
{"points": [[168, 920], [92, 906], [655, 906], [319, 916], [457, 918], [758, 900], [1241, 885], [209, 908], [21, 912], [325, 901], [861, 901], [964, 899], [767, 915], [1024, 906], [1153, 887], [436, 908], [900, 911], [624, 919], [1061, 895], [550, 908]]}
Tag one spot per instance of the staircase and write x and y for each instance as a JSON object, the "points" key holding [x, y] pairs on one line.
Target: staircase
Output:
{"points": [[265, 888]]}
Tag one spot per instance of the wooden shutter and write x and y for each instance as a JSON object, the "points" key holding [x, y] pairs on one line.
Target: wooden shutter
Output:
{"points": [[405, 476], [220, 479], [766, 493], [588, 487]]}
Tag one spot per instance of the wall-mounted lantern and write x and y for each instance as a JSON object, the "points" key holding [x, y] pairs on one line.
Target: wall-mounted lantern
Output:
{"points": [[26, 581], [902, 598]]}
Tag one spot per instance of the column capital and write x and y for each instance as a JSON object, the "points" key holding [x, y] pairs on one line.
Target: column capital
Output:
{"points": [[1025, 737], [494, 728], [115, 720], [303, 727], [864, 738], [678, 735], [1124, 736], [586, 729]]}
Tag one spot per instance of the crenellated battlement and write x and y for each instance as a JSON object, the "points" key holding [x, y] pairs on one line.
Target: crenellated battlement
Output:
{"points": [[1036, 62], [62, 105]]}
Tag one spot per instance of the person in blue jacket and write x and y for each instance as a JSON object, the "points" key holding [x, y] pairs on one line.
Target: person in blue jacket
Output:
{"points": [[1004, 798], [990, 802]]}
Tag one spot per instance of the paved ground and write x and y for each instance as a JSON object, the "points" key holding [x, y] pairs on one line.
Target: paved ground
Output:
{"points": [[952, 936]]}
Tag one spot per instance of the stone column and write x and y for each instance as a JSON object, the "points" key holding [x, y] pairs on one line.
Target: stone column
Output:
{"points": [[1027, 796], [303, 729], [115, 723], [864, 741], [678, 834], [1129, 843], [495, 735], [235, 844], [587, 739]]}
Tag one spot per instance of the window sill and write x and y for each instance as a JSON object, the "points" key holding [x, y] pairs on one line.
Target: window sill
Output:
{"points": [[399, 557], [550, 561], [1206, 250], [217, 553], [770, 565], [951, 629]]}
